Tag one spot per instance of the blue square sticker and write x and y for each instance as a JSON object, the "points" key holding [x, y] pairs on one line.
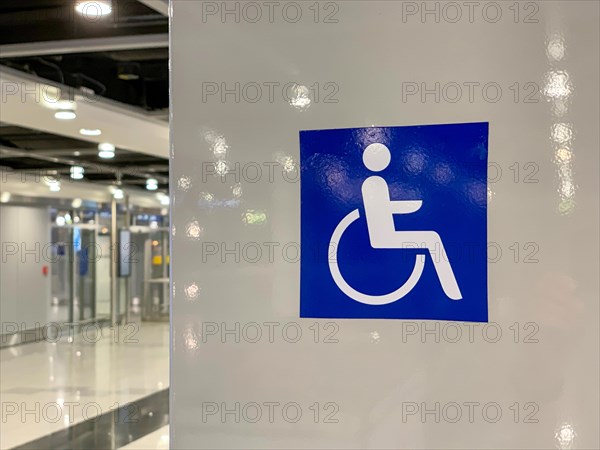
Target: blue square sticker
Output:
{"points": [[394, 222]]}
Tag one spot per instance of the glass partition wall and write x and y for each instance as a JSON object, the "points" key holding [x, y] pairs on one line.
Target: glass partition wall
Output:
{"points": [[80, 265], [74, 272], [86, 266], [150, 275], [82, 259]]}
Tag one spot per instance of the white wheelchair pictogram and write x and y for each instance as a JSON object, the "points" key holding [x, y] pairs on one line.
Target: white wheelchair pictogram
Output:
{"points": [[380, 211]]}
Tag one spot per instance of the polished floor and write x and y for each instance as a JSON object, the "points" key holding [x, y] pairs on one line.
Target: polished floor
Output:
{"points": [[157, 440], [47, 387]]}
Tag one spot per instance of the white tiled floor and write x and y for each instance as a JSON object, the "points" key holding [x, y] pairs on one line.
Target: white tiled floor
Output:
{"points": [[157, 440], [39, 381]]}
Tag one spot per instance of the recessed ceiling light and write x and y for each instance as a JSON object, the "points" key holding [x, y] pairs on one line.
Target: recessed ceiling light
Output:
{"points": [[94, 9], [90, 131], [106, 154], [61, 100], [77, 172], [65, 114], [152, 184], [106, 150], [163, 198], [106, 147]]}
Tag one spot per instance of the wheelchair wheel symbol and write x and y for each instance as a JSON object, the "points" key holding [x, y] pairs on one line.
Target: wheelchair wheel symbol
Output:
{"points": [[353, 293]]}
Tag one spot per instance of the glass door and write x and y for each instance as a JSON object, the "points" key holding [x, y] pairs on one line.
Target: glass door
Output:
{"points": [[85, 256], [73, 268]]}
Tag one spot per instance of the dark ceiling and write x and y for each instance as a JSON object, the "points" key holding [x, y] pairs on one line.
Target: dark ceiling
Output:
{"points": [[42, 153], [137, 77], [53, 20], [134, 77]]}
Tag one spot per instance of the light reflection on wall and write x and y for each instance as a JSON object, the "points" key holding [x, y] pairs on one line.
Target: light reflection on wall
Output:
{"points": [[375, 336], [490, 194], [192, 291], [190, 338], [193, 230], [556, 48], [237, 190], [218, 144], [184, 183], [565, 436], [287, 162], [219, 149], [300, 97], [558, 88], [253, 217], [557, 84], [221, 167], [562, 133]]}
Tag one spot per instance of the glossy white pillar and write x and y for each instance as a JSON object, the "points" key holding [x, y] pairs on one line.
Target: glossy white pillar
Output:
{"points": [[530, 69]]}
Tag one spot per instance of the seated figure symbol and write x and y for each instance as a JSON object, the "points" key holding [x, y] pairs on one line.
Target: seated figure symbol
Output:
{"points": [[380, 211]]}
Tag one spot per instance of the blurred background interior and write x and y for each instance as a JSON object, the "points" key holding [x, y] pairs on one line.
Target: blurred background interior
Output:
{"points": [[84, 220]]}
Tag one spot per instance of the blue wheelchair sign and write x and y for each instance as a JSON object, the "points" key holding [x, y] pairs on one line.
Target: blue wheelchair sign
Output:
{"points": [[394, 222]]}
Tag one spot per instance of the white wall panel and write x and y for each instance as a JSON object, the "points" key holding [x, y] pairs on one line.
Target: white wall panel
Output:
{"points": [[541, 374], [24, 289]]}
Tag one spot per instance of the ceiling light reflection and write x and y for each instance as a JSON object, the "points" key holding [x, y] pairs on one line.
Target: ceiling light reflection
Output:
{"points": [[106, 147], [184, 183], [106, 150], [190, 339], [221, 168], [65, 114], [193, 230], [192, 291], [237, 190], [106, 155], [253, 217], [90, 131], [557, 84], [152, 184], [556, 48], [164, 199], [77, 172], [565, 435], [561, 133], [218, 143], [300, 98], [94, 9], [563, 155]]}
